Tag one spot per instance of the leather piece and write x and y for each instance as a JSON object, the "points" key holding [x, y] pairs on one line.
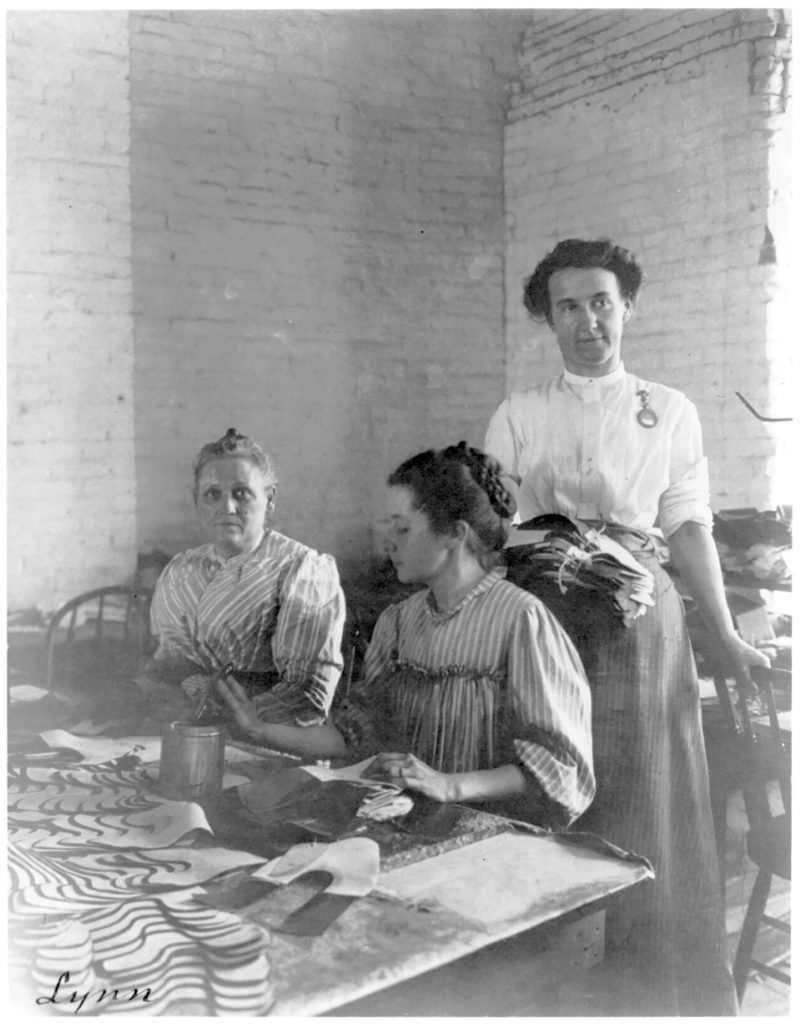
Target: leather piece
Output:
{"points": [[315, 916]]}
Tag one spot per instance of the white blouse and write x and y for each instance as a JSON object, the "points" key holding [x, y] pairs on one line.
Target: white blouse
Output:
{"points": [[578, 449]]}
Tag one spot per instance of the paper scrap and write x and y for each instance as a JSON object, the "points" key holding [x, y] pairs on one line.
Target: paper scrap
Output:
{"points": [[26, 692], [350, 773], [99, 749]]}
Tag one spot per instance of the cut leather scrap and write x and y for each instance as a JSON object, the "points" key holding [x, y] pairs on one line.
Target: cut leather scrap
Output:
{"points": [[353, 864], [345, 869]]}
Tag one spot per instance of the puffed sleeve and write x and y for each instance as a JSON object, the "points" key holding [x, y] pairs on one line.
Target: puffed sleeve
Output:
{"points": [[361, 716], [381, 647], [550, 706], [172, 600], [307, 642], [501, 439], [686, 499]]}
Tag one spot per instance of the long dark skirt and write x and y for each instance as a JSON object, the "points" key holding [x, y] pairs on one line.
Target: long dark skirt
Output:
{"points": [[652, 790]]}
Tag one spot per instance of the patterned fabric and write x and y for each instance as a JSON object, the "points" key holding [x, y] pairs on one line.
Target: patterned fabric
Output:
{"points": [[577, 446], [277, 609], [102, 922], [64, 810], [493, 681]]}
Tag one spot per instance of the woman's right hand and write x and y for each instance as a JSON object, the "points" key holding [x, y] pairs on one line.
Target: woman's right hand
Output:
{"points": [[243, 709], [408, 772]]}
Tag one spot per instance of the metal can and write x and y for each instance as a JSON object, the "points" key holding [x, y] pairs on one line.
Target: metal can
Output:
{"points": [[192, 758]]}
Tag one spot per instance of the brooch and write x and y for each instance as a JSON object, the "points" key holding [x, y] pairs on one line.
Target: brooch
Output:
{"points": [[645, 416]]}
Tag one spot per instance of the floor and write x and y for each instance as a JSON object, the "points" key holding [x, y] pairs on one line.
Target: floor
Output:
{"points": [[763, 997]]}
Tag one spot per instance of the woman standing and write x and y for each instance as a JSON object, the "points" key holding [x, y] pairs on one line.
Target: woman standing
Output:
{"points": [[603, 446]]}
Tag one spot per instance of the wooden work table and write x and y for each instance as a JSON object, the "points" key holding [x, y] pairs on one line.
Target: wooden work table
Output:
{"points": [[447, 911], [481, 901]]}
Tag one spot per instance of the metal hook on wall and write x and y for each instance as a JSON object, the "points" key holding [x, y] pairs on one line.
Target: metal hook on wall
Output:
{"points": [[758, 416]]}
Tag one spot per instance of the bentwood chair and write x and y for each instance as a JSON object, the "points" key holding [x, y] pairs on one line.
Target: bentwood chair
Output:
{"points": [[762, 739], [98, 638]]}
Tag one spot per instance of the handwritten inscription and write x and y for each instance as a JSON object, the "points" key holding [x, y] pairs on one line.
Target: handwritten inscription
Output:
{"points": [[60, 995]]}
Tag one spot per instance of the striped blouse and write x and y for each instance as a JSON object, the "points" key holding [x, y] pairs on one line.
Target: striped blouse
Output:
{"points": [[277, 609], [493, 681]]}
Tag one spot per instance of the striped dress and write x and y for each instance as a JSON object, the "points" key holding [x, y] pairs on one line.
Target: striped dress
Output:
{"points": [[277, 611], [493, 681]]}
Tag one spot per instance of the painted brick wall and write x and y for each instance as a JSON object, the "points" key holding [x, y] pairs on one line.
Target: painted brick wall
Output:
{"points": [[71, 489], [318, 250], [302, 213], [667, 131]]}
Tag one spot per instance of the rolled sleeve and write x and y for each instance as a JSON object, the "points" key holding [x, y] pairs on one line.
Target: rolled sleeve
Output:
{"points": [[307, 643], [687, 497], [550, 708]]}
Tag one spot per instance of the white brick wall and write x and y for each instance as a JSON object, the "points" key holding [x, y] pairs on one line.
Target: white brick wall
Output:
{"points": [[71, 494], [666, 131], [293, 222], [318, 249]]}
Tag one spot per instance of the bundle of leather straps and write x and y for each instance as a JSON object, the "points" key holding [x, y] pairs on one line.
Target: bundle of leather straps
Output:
{"points": [[580, 557]]}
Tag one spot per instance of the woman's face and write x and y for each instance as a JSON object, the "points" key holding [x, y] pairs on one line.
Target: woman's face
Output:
{"points": [[587, 314], [418, 554], [233, 499]]}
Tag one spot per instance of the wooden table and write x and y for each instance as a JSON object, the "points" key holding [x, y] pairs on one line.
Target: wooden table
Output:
{"points": [[480, 902], [496, 897]]}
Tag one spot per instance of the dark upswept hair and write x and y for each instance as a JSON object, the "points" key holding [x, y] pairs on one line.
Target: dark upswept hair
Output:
{"points": [[575, 252], [461, 483], [234, 445]]}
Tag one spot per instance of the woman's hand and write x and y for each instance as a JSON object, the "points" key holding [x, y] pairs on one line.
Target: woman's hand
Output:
{"points": [[409, 772], [243, 709], [742, 657]]}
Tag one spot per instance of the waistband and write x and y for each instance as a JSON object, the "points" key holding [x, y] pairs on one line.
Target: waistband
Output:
{"points": [[628, 536]]}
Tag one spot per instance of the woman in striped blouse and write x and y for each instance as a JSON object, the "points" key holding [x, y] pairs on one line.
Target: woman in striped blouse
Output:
{"points": [[254, 599], [475, 691]]}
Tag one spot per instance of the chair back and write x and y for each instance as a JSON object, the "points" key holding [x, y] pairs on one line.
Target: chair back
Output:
{"points": [[99, 637], [758, 725]]}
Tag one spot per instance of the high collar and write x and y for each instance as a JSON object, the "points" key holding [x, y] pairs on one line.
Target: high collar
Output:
{"points": [[216, 559], [484, 583], [575, 381]]}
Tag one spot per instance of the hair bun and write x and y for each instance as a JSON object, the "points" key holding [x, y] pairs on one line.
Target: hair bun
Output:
{"points": [[488, 475]]}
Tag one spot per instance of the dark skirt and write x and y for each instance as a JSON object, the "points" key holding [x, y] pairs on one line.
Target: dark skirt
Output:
{"points": [[652, 789]]}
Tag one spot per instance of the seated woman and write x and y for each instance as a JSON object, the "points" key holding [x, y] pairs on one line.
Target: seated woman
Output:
{"points": [[253, 599], [472, 690], [476, 692]]}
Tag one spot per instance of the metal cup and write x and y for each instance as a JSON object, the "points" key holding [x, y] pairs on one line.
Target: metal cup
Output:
{"points": [[191, 761]]}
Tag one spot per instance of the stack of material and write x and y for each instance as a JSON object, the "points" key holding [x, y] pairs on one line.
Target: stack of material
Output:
{"points": [[587, 559], [755, 544]]}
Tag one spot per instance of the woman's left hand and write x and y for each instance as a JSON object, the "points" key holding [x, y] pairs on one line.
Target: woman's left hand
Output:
{"points": [[409, 772], [243, 709], [742, 657]]}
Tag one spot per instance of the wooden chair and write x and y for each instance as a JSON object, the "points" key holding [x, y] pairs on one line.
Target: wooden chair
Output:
{"points": [[99, 637], [763, 743]]}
